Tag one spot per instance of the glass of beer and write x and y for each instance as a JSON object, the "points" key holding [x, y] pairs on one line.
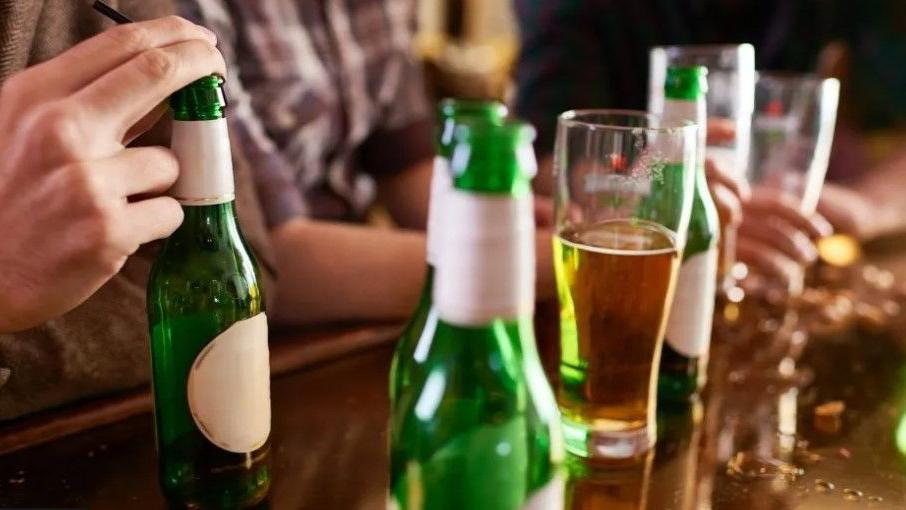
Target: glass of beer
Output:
{"points": [[624, 187]]}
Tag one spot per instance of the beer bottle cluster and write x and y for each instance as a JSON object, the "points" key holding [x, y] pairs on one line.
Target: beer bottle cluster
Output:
{"points": [[473, 423]]}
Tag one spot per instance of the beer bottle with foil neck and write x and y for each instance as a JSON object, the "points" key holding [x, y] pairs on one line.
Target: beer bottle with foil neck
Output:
{"points": [[209, 350], [413, 342], [479, 428], [684, 357]]}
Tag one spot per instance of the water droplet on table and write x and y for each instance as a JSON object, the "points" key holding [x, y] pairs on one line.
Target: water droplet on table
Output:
{"points": [[852, 494], [824, 485]]}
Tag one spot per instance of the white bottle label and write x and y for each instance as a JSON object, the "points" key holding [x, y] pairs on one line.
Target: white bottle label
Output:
{"points": [[441, 183], [229, 387], [205, 163], [490, 272], [549, 497], [689, 324]]}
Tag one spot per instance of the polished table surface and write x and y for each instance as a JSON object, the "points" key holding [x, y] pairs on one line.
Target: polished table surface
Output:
{"points": [[759, 444]]}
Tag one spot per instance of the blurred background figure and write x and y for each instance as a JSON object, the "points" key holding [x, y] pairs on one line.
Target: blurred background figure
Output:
{"points": [[594, 53]]}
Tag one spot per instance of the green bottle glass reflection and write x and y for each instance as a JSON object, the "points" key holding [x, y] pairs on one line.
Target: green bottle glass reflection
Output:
{"points": [[408, 360], [687, 339], [679, 482], [480, 427], [209, 349]]}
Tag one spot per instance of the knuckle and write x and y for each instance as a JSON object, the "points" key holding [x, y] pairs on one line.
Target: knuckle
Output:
{"points": [[60, 126], [134, 37], [158, 64], [83, 183], [178, 24], [207, 58]]}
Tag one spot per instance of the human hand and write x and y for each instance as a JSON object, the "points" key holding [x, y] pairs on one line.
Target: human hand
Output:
{"points": [[75, 202], [776, 238], [850, 212]]}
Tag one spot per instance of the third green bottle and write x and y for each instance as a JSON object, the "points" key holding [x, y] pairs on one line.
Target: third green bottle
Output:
{"points": [[479, 429], [688, 336]]}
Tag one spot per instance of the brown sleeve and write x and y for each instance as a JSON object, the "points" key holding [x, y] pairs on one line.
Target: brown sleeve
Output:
{"points": [[100, 347]]}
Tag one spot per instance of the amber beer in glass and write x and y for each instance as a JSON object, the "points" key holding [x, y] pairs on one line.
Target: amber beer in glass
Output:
{"points": [[624, 194]]}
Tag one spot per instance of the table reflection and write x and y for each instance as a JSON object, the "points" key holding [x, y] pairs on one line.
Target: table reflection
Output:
{"points": [[805, 409]]}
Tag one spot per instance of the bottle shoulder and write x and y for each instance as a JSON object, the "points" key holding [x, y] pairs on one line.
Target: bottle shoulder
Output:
{"points": [[480, 369], [200, 276]]}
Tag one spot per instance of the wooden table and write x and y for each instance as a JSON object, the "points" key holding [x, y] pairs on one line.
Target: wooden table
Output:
{"points": [[330, 436]]}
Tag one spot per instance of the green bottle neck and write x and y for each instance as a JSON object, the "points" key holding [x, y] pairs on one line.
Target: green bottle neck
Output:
{"points": [[451, 112], [686, 83], [202, 99], [209, 224]]}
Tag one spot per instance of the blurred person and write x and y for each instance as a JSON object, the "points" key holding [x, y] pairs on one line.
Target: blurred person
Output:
{"points": [[78, 196], [327, 100], [580, 54], [336, 119]]}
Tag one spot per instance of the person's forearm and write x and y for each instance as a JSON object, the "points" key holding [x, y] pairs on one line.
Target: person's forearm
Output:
{"points": [[882, 188], [406, 195], [335, 272]]}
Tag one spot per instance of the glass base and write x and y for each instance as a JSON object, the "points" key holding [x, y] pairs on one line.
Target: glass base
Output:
{"points": [[589, 442]]}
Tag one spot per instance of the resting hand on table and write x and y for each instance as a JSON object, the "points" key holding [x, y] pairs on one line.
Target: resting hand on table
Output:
{"points": [[773, 236], [74, 201], [851, 212]]}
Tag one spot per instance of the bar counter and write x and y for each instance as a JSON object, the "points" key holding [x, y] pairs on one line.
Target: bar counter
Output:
{"points": [[835, 439]]}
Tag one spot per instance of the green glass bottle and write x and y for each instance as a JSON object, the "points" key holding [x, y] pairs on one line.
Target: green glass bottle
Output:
{"points": [[480, 427], [684, 357], [209, 350], [413, 342]]}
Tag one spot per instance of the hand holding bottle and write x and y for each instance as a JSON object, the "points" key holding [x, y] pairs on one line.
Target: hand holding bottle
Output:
{"points": [[76, 201]]}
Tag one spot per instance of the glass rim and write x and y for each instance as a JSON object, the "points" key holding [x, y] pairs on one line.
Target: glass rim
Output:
{"points": [[794, 78], [570, 118], [703, 49]]}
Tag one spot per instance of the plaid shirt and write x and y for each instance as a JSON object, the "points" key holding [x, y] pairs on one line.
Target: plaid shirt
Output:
{"points": [[324, 95]]}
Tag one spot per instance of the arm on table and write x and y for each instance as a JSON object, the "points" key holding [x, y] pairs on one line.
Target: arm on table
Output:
{"points": [[406, 194], [873, 206], [337, 272]]}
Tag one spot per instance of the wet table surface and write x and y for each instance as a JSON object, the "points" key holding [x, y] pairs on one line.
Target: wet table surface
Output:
{"points": [[753, 445]]}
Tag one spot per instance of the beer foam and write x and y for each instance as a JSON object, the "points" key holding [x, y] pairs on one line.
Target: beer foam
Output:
{"points": [[623, 237]]}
